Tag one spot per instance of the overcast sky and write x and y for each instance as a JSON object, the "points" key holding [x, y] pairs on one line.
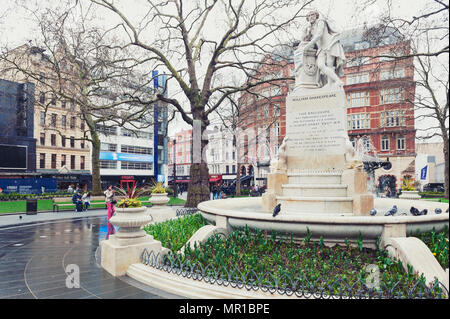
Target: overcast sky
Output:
{"points": [[16, 28]]}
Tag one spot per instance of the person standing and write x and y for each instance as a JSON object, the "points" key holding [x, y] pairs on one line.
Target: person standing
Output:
{"points": [[110, 201], [70, 189]]}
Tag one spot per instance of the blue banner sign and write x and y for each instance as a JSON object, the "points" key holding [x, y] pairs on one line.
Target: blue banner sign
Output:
{"points": [[423, 173], [28, 185], [126, 157]]}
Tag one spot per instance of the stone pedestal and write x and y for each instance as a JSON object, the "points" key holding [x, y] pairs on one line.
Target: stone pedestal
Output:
{"points": [[275, 181], [126, 246], [410, 195]]}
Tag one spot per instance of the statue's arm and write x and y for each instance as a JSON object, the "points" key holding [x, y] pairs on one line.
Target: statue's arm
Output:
{"points": [[317, 34]]}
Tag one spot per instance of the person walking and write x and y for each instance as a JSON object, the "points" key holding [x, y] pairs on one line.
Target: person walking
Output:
{"points": [[86, 200], [110, 201]]}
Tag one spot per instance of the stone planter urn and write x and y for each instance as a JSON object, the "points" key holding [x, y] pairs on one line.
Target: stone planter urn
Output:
{"points": [[125, 247], [130, 221], [410, 195], [159, 199]]}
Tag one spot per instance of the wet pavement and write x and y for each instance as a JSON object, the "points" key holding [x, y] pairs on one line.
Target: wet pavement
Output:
{"points": [[39, 261]]}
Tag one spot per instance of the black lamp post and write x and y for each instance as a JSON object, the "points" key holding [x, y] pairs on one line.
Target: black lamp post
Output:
{"points": [[175, 191]]}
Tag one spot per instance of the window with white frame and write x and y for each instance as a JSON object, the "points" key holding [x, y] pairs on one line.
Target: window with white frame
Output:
{"points": [[276, 110], [266, 111], [392, 95], [384, 143], [392, 118], [357, 78], [392, 74], [358, 61], [358, 121], [401, 142], [355, 99], [277, 129], [276, 91]]}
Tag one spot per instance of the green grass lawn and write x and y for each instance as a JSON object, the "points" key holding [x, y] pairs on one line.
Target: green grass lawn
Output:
{"points": [[47, 205]]}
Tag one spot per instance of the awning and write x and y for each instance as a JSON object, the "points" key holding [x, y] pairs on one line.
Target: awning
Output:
{"points": [[215, 179]]}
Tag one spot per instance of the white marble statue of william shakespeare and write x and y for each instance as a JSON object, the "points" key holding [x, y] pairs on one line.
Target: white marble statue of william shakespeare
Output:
{"points": [[330, 52]]}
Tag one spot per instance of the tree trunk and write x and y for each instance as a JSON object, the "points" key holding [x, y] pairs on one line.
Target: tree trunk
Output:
{"points": [[198, 187], [95, 161]]}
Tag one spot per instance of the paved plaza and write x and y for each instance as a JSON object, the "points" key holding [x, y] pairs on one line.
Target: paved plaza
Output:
{"points": [[38, 252]]}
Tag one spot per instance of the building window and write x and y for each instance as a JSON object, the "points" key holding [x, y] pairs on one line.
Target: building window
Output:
{"points": [[227, 169], [392, 95], [82, 159], [63, 141], [43, 118], [42, 138], [53, 139], [392, 74], [72, 142], [357, 78], [41, 160], [358, 121], [266, 111], [401, 142], [136, 149], [72, 161], [72, 105], [107, 130], [108, 164], [63, 104], [63, 160], [72, 122], [384, 143], [82, 144], [139, 134], [358, 61], [366, 143], [392, 118], [108, 147], [82, 125], [136, 165], [53, 100], [53, 161], [63, 121], [277, 129], [53, 121], [233, 169], [356, 99], [42, 98]]}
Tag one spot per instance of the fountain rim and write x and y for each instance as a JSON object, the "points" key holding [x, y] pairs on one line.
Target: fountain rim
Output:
{"points": [[225, 207]]}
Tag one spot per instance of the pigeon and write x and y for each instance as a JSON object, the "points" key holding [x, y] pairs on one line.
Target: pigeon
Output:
{"points": [[392, 211], [414, 211], [446, 211], [276, 210], [424, 212], [20, 216], [438, 210], [373, 212]]}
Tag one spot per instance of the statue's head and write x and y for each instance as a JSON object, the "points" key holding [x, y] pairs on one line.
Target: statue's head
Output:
{"points": [[312, 16]]}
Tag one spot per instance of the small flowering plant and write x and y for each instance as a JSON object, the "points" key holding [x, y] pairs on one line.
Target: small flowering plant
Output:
{"points": [[408, 184], [131, 196], [158, 189]]}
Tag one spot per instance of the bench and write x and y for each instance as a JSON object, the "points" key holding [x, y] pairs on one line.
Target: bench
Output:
{"points": [[63, 201]]}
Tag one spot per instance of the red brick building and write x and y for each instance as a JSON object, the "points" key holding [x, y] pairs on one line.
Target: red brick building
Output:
{"points": [[380, 111]]}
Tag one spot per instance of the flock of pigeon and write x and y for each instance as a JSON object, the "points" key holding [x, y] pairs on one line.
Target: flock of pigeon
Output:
{"points": [[393, 211], [414, 211]]}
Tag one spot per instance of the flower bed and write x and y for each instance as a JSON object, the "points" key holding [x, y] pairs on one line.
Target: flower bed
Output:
{"points": [[174, 234], [437, 242], [272, 261]]}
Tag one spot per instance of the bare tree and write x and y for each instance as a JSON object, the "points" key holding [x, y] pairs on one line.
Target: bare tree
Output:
{"points": [[74, 62], [200, 43], [427, 33]]}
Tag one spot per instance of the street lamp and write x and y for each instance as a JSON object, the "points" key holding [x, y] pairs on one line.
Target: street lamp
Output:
{"points": [[175, 192]]}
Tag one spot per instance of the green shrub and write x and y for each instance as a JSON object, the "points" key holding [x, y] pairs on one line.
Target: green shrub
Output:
{"points": [[174, 234]]}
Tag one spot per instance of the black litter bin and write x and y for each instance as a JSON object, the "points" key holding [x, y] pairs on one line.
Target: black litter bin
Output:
{"points": [[31, 206]]}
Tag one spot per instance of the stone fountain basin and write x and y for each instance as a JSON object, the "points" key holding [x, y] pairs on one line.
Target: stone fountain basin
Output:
{"points": [[237, 213]]}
